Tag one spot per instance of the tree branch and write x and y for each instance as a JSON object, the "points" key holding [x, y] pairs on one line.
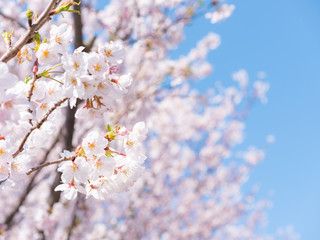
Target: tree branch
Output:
{"points": [[9, 219], [70, 118], [38, 125], [77, 21], [50, 163], [23, 40], [30, 92]]}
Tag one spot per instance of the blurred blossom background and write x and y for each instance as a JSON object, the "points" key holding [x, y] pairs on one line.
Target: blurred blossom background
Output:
{"points": [[280, 42], [271, 46]]}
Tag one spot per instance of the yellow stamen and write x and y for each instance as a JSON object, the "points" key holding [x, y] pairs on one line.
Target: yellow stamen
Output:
{"points": [[73, 81], [3, 169], [76, 65], [91, 145], [108, 53], [46, 53], [97, 67], [43, 106], [58, 40]]}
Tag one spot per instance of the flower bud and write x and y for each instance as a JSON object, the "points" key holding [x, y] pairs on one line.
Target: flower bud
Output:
{"points": [[35, 67], [65, 7], [37, 39], [29, 15], [7, 37]]}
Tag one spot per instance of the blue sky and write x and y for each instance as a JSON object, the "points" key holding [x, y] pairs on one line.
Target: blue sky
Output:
{"points": [[281, 38]]}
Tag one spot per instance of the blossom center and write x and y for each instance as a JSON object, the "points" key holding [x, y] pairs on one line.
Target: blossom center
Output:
{"points": [[108, 53], [2, 152], [46, 53], [97, 67], [73, 81], [58, 39], [43, 106], [3, 169], [76, 65], [91, 145]]}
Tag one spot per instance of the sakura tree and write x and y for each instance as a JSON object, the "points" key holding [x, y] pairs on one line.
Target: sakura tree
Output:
{"points": [[88, 93]]}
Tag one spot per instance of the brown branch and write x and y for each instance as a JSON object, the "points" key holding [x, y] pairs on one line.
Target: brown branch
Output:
{"points": [[77, 21], [2, 181], [70, 118], [38, 125], [23, 40], [89, 44], [68, 137], [50, 163], [30, 92], [9, 219]]}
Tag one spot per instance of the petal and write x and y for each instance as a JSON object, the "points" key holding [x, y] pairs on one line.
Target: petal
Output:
{"points": [[61, 187]]}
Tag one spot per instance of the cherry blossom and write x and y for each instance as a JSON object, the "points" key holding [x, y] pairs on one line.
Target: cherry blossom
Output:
{"points": [[102, 134], [224, 11], [47, 54]]}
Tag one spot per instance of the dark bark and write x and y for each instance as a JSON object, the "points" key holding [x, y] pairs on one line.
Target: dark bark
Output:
{"points": [[78, 42], [68, 136], [70, 115]]}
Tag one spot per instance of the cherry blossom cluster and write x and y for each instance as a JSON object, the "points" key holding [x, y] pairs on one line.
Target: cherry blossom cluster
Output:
{"points": [[97, 169], [31, 110], [192, 188], [224, 11], [93, 77]]}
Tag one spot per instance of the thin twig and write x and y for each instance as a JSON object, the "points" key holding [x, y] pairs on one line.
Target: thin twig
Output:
{"points": [[23, 40], [50, 163], [10, 217], [30, 92], [38, 125]]}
